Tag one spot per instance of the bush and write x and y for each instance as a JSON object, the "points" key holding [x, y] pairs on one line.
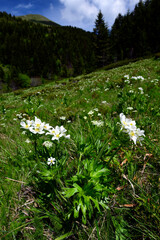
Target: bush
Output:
{"points": [[24, 81]]}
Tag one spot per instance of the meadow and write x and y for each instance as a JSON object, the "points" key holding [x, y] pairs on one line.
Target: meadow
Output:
{"points": [[79, 158]]}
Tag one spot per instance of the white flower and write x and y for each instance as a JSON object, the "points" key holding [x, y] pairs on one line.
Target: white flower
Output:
{"points": [[63, 118], [57, 134], [36, 130], [132, 136], [104, 102], [62, 130], [51, 161], [47, 144], [126, 81], [47, 126], [85, 117], [140, 134], [27, 140], [130, 108], [98, 123], [27, 124], [141, 90], [37, 123], [129, 127], [127, 123], [134, 78], [91, 112], [131, 91], [67, 136], [51, 131], [126, 76]]}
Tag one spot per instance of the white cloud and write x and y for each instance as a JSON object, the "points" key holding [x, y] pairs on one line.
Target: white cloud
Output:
{"points": [[132, 3], [24, 6], [82, 13]]}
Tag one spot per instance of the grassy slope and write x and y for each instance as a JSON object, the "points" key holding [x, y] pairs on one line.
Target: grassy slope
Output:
{"points": [[74, 98], [37, 18]]}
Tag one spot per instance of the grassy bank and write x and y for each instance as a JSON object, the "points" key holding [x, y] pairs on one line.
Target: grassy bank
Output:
{"points": [[103, 182]]}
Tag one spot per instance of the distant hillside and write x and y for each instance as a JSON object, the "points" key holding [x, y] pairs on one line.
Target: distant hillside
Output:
{"points": [[37, 18]]}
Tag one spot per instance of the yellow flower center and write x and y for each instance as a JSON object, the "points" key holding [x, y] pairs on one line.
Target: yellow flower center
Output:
{"points": [[124, 123], [57, 135], [132, 134], [38, 125]]}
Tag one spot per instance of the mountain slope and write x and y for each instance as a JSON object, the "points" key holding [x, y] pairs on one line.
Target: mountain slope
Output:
{"points": [[37, 18]]}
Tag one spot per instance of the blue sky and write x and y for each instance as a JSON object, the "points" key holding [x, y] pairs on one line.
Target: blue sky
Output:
{"points": [[77, 13]]}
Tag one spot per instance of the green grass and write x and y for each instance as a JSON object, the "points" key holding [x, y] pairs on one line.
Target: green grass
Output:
{"points": [[37, 18], [102, 186]]}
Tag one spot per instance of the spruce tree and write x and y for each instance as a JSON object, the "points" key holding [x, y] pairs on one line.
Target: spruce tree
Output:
{"points": [[101, 40]]}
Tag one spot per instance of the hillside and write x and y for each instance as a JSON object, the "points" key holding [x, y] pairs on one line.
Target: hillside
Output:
{"points": [[37, 18], [80, 157]]}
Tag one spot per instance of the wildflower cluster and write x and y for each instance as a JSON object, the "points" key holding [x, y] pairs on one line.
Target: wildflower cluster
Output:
{"points": [[129, 126], [39, 127]]}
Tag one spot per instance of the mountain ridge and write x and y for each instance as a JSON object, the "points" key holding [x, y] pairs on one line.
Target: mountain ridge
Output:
{"points": [[37, 18]]}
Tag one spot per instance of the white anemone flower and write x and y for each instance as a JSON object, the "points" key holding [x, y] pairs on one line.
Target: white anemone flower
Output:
{"points": [[47, 144], [63, 118], [51, 131], [140, 135], [47, 126], [133, 136], [90, 112], [98, 123], [129, 126], [51, 161], [38, 123], [62, 130], [127, 123], [27, 124], [36, 130], [57, 135]]}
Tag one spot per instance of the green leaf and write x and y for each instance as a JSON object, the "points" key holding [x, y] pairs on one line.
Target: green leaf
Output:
{"points": [[64, 236], [69, 192], [103, 205], [79, 189], [100, 173]]}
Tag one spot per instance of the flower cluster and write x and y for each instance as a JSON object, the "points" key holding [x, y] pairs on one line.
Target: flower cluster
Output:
{"points": [[39, 127], [98, 123], [129, 126]]}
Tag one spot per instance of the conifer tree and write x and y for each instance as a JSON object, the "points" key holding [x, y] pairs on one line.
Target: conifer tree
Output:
{"points": [[101, 40]]}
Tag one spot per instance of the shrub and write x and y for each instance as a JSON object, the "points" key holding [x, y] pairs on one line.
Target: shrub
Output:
{"points": [[24, 81]]}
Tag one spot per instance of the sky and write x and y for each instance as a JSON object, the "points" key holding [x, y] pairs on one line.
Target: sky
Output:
{"points": [[76, 13]]}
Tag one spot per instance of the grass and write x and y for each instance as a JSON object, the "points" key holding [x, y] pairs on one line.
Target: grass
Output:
{"points": [[37, 18], [102, 186]]}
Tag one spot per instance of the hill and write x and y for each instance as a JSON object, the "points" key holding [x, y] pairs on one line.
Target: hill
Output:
{"points": [[37, 18], [80, 157]]}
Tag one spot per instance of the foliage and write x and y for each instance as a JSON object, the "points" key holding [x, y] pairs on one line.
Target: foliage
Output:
{"points": [[24, 81], [97, 183]]}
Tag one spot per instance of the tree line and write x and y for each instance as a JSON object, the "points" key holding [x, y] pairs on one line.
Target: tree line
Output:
{"points": [[134, 35], [35, 50]]}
